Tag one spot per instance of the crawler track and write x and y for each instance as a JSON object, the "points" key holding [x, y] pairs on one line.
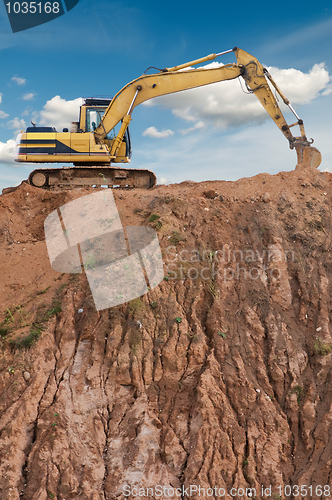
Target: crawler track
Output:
{"points": [[75, 177]]}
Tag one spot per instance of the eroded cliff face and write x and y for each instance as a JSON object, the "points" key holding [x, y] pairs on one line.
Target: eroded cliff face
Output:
{"points": [[218, 379]]}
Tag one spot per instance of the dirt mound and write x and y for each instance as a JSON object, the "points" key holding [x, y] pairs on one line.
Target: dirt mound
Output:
{"points": [[216, 382]]}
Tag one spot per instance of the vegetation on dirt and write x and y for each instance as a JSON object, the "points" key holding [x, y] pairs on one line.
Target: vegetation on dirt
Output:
{"points": [[321, 348], [16, 318], [154, 217], [298, 390]]}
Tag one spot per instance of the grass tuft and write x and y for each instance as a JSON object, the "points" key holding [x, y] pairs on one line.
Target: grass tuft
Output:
{"points": [[298, 390], [321, 348], [176, 238], [36, 328], [154, 217], [135, 305]]}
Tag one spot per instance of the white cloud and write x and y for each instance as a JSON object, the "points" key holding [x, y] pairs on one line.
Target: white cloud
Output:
{"points": [[3, 114], [59, 113], [27, 111], [162, 180], [298, 87], [199, 125], [153, 132], [18, 80], [7, 152], [328, 90], [0, 97], [225, 105], [17, 125], [29, 96]]}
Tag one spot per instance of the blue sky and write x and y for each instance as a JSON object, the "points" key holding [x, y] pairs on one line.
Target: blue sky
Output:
{"points": [[97, 47]]}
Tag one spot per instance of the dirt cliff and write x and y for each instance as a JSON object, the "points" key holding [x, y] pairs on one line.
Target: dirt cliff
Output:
{"points": [[216, 382]]}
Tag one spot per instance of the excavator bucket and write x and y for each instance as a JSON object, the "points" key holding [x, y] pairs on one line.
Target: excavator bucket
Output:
{"points": [[307, 156]]}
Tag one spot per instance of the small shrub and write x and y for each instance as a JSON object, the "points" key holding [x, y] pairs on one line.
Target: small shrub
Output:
{"points": [[90, 262], [43, 291], [27, 341], [55, 309], [176, 238], [61, 288], [298, 390], [321, 348], [154, 217], [36, 328], [3, 331], [9, 316], [135, 305]]}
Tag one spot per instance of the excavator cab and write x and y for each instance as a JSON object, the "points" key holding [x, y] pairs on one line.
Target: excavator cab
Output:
{"points": [[47, 145], [91, 113], [93, 118]]}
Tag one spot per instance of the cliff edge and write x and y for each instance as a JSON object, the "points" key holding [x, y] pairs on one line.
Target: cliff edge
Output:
{"points": [[218, 381]]}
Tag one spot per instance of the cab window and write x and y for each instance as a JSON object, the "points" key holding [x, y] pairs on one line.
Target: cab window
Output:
{"points": [[93, 117]]}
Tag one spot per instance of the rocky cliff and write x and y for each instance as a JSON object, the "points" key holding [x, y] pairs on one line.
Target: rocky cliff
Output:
{"points": [[215, 383]]}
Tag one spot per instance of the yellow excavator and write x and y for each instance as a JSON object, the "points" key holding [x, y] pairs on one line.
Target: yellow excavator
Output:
{"points": [[92, 145]]}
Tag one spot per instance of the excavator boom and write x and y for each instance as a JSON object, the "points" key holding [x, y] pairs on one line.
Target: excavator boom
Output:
{"points": [[172, 80]]}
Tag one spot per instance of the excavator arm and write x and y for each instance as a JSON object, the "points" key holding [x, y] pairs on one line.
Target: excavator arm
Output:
{"points": [[257, 80], [147, 87], [171, 80]]}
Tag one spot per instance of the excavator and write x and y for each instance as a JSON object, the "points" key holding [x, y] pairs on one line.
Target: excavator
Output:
{"points": [[92, 145]]}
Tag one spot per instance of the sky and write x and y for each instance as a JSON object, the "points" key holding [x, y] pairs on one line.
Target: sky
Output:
{"points": [[214, 132]]}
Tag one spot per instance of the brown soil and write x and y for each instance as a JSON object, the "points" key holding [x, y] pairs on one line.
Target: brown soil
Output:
{"points": [[217, 381]]}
